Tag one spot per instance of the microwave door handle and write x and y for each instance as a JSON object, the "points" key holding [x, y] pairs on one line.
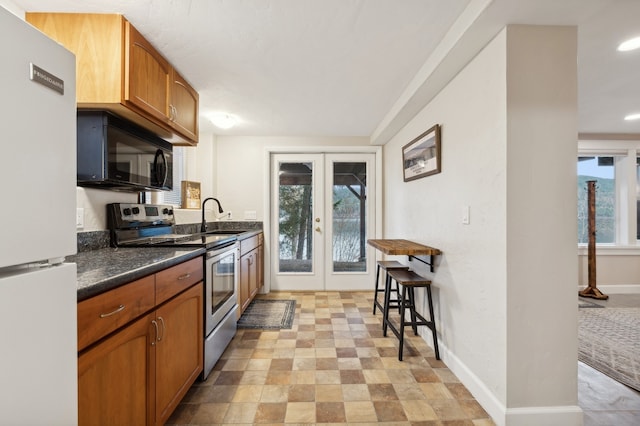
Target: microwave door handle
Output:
{"points": [[161, 174]]}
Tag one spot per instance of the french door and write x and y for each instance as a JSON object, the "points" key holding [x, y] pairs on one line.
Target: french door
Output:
{"points": [[322, 214]]}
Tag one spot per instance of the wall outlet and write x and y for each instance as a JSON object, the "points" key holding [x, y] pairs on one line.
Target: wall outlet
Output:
{"points": [[250, 215], [79, 218]]}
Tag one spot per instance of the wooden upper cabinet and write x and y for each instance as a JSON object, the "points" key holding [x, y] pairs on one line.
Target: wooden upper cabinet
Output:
{"points": [[147, 77], [118, 70], [184, 107]]}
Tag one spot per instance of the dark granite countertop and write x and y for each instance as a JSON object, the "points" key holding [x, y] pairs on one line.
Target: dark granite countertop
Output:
{"points": [[249, 233], [107, 268]]}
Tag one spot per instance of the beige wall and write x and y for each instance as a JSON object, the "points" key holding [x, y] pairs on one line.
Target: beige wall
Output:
{"points": [[240, 168], [615, 273], [513, 107]]}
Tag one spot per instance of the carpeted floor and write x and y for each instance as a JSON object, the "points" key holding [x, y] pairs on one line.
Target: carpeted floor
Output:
{"points": [[609, 341], [582, 303], [268, 314]]}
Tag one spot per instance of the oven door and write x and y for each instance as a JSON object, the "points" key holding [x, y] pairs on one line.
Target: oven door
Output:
{"points": [[221, 283]]}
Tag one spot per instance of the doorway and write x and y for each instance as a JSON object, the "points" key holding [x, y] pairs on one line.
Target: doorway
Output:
{"points": [[322, 212]]}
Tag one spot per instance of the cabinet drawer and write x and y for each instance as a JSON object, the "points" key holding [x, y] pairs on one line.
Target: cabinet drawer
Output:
{"points": [[102, 314], [178, 278], [249, 244]]}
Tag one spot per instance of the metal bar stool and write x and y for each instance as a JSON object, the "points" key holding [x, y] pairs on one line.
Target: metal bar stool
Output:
{"points": [[386, 265], [409, 281]]}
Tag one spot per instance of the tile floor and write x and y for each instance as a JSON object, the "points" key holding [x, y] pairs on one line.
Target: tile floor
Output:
{"points": [[333, 367]]}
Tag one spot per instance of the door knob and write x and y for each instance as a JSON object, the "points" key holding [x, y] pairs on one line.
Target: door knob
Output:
{"points": [[317, 219], [318, 229]]}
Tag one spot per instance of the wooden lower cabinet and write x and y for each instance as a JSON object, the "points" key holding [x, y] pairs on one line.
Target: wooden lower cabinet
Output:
{"points": [[245, 278], [115, 378], [179, 352], [139, 375], [251, 269], [248, 278]]}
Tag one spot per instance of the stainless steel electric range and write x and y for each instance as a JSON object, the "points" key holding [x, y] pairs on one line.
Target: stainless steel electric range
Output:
{"points": [[147, 225]]}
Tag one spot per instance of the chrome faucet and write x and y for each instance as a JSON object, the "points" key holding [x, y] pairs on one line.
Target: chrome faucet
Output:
{"points": [[203, 226]]}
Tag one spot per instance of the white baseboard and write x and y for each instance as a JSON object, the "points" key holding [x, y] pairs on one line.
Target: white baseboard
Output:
{"points": [[502, 416], [570, 415], [616, 288], [478, 389]]}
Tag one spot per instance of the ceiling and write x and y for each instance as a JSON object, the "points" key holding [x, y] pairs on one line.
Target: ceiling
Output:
{"points": [[363, 67]]}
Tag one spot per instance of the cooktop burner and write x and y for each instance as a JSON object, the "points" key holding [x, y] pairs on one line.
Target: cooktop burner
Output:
{"points": [[144, 225]]}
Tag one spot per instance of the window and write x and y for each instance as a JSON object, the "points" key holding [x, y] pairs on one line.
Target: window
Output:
{"points": [[602, 170], [174, 197]]}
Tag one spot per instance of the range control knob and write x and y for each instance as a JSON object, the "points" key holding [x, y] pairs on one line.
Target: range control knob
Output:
{"points": [[126, 211], [165, 211], [170, 212], [135, 210]]}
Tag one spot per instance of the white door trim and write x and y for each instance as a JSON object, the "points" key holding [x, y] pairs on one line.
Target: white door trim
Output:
{"points": [[266, 188]]}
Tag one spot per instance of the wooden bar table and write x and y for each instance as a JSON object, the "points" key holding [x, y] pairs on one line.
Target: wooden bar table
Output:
{"points": [[396, 247]]}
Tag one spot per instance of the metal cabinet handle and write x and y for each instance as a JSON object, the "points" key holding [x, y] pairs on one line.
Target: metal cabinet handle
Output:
{"points": [[161, 336], [118, 309], [155, 324], [183, 277]]}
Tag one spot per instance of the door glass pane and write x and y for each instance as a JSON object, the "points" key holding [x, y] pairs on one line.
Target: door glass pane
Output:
{"points": [[295, 235], [349, 217], [602, 170]]}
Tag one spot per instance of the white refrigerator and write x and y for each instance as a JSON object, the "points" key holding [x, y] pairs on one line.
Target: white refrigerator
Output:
{"points": [[38, 325]]}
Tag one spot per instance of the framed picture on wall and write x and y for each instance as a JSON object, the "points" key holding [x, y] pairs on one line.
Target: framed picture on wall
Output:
{"points": [[421, 156], [190, 195]]}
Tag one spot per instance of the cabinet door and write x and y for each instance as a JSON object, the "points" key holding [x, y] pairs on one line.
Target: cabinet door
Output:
{"points": [[184, 107], [123, 398], [97, 40], [245, 277], [254, 271], [260, 261], [179, 351], [147, 77]]}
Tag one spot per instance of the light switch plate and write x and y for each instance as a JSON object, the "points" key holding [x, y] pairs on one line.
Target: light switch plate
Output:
{"points": [[250, 215], [79, 218], [466, 215]]}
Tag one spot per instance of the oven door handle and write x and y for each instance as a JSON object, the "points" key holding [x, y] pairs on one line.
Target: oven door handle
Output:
{"points": [[221, 252]]}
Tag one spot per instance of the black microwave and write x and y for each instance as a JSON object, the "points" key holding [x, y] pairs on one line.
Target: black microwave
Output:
{"points": [[116, 154]]}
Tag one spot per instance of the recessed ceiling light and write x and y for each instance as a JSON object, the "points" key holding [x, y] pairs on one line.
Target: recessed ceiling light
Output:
{"points": [[635, 116], [631, 44], [223, 120]]}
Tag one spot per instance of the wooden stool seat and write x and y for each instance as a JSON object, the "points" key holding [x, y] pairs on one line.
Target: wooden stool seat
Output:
{"points": [[386, 265], [409, 281]]}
